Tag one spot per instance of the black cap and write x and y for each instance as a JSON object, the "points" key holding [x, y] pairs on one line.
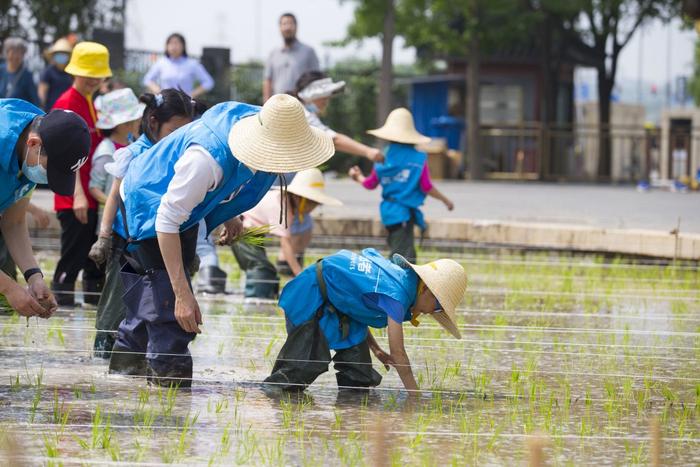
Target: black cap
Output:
{"points": [[65, 138]]}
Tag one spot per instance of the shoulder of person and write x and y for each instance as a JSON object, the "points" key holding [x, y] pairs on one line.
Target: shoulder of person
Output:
{"points": [[105, 148]]}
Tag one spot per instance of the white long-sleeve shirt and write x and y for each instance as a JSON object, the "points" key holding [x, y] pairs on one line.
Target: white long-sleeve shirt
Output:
{"points": [[196, 174]]}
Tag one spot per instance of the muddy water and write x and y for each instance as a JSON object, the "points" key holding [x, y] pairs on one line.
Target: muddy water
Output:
{"points": [[585, 371]]}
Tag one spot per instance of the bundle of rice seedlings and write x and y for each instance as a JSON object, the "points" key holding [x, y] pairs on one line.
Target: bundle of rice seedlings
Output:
{"points": [[253, 236]]}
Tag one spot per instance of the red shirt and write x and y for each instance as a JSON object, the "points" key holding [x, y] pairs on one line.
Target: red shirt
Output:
{"points": [[73, 100]]}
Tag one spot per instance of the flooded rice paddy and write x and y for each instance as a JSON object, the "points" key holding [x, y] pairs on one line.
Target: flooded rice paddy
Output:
{"points": [[580, 352]]}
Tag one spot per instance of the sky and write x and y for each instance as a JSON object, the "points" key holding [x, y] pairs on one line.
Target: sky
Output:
{"points": [[249, 28]]}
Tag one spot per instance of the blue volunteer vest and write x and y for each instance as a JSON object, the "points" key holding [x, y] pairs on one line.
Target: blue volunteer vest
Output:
{"points": [[141, 145], [149, 175], [348, 277], [399, 176], [15, 115]]}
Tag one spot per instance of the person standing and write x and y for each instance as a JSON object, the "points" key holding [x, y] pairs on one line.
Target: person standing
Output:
{"points": [[89, 65], [54, 80], [214, 169], [178, 71], [35, 148], [286, 64], [16, 80]]}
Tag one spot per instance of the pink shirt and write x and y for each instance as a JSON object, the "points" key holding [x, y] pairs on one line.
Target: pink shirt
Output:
{"points": [[426, 184], [267, 212]]}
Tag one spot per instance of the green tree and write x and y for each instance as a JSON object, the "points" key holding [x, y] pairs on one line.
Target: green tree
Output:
{"points": [[600, 32], [470, 29]]}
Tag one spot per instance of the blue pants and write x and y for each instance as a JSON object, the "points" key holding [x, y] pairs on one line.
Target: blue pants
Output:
{"points": [[150, 326]]}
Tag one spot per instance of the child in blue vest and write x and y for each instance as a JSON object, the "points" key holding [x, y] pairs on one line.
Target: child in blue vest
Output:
{"points": [[332, 304], [163, 113], [214, 168], [405, 181]]}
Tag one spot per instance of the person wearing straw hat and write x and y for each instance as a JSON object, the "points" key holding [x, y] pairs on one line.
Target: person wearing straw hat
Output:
{"points": [[54, 80], [405, 180], [214, 168], [89, 66], [304, 194], [35, 148], [315, 90], [332, 304]]}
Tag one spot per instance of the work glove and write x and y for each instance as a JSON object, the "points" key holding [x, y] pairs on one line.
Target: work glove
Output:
{"points": [[100, 250]]}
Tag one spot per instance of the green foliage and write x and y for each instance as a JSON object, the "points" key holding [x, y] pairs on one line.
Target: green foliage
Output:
{"points": [[50, 20], [694, 84]]}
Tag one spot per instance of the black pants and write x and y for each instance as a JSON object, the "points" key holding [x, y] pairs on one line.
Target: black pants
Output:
{"points": [[305, 356], [261, 279], [401, 240], [7, 264], [76, 240], [110, 309]]}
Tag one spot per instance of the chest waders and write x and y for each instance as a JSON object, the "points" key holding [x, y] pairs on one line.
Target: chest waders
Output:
{"points": [[305, 354], [150, 341]]}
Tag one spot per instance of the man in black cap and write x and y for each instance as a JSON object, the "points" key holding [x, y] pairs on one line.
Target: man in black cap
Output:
{"points": [[35, 148]]}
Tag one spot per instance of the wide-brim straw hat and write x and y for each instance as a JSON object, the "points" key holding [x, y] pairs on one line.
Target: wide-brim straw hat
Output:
{"points": [[447, 280], [279, 139], [324, 87], [399, 128], [61, 45], [117, 107], [309, 184], [89, 60]]}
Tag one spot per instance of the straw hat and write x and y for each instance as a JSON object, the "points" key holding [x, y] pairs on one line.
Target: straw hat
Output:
{"points": [[446, 279], [90, 60], [279, 139], [61, 45], [324, 87], [309, 184], [399, 128], [117, 107]]}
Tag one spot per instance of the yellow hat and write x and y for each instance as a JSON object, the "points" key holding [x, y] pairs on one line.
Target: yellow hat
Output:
{"points": [[399, 128], [90, 60], [61, 45], [447, 280], [309, 184]]}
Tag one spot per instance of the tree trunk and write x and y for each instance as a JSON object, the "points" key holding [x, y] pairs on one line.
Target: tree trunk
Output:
{"points": [[473, 118], [386, 77], [605, 86]]}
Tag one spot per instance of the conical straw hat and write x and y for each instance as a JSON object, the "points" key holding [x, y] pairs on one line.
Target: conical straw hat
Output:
{"points": [[447, 280], [309, 184], [399, 128], [278, 139]]}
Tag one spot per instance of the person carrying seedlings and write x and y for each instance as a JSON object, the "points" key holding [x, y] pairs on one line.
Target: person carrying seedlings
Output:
{"points": [[405, 180], [304, 194], [315, 90], [163, 113], [35, 148], [214, 169], [332, 304]]}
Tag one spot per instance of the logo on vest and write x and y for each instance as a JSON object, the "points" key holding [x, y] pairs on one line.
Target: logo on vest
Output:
{"points": [[22, 191], [401, 177], [360, 263], [79, 164]]}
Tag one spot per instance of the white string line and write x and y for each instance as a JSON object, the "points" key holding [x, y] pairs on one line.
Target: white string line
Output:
{"points": [[493, 434], [621, 280], [29, 348], [329, 388], [466, 327], [451, 342], [474, 369], [466, 311], [556, 260]]}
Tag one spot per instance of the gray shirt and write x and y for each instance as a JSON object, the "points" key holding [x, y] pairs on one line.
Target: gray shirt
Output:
{"points": [[285, 65]]}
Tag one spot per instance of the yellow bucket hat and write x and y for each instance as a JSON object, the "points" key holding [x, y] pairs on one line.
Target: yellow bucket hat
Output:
{"points": [[90, 60]]}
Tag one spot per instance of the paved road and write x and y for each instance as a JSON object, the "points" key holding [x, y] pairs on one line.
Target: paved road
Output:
{"points": [[590, 205]]}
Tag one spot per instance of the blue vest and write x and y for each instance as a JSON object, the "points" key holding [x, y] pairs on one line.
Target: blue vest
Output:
{"points": [[399, 176], [149, 175], [15, 115], [141, 145], [348, 277]]}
